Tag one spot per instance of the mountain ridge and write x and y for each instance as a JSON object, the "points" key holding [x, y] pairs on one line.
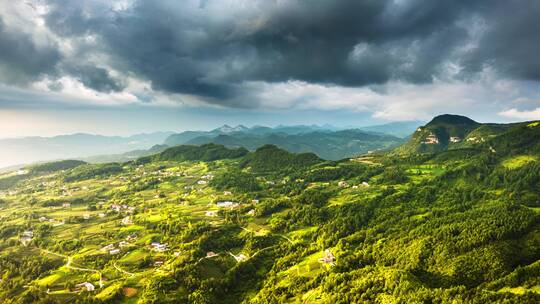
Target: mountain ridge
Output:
{"points": [[331, 145], [450, 132]]}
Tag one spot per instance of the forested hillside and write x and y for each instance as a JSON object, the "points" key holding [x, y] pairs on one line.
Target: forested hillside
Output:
{"points": [[209, 224]]}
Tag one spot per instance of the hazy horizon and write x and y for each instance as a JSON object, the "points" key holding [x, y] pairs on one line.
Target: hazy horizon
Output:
{"points": [[210, 128], [211, 125]]}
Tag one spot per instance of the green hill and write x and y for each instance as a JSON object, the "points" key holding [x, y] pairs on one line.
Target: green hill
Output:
{"points": [[56, 166], [446, 132], [207, 152], [517, 138], [270, 158]]}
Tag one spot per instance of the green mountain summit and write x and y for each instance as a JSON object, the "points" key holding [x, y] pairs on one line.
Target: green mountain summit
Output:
{"points": [[448, 132]]}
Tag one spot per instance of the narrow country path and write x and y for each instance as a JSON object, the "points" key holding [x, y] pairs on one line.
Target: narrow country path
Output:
{"points": [[122, 270], [70, 261]]}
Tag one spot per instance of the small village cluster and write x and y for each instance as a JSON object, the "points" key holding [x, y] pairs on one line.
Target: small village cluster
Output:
{"points": [[54, 222], [114, 249], [344, 184], [476, 139], [432, 139]]}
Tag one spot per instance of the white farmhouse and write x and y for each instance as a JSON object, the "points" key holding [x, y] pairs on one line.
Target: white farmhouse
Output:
{"points": [[85, 286], [159, 247], [211, 254], [108, 248], [127, 221], [455, 139], [224, 204]]}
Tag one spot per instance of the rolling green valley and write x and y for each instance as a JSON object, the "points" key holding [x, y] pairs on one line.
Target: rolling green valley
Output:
{"points": [[433, 221]]}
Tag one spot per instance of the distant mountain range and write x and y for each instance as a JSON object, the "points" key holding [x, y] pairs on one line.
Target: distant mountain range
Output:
{"points": [[397, 129], [185, 137], [326, 141], [332, 145]]}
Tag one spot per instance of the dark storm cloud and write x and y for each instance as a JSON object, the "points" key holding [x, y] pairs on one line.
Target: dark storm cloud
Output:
{"points": [[96, 78], [511, 43], [22, 60], [212, 48], [314, 41]]}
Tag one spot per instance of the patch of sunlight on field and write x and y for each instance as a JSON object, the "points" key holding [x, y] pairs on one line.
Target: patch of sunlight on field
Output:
{"points": [[49, 280], [154, 218], [108, 292], [95, 229], [131, 229], [421, 216], [433, 170], [520, 290], [88, 249], [148, 238], [518, 161], [313, 296], [299, 234], [134, 256], [58, 278], [342, 199], [258, 229], [535, 209], [309, 267]]}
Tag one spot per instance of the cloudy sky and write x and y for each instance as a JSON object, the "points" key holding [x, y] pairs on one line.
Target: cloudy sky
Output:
{"points": [[129, 66]]}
